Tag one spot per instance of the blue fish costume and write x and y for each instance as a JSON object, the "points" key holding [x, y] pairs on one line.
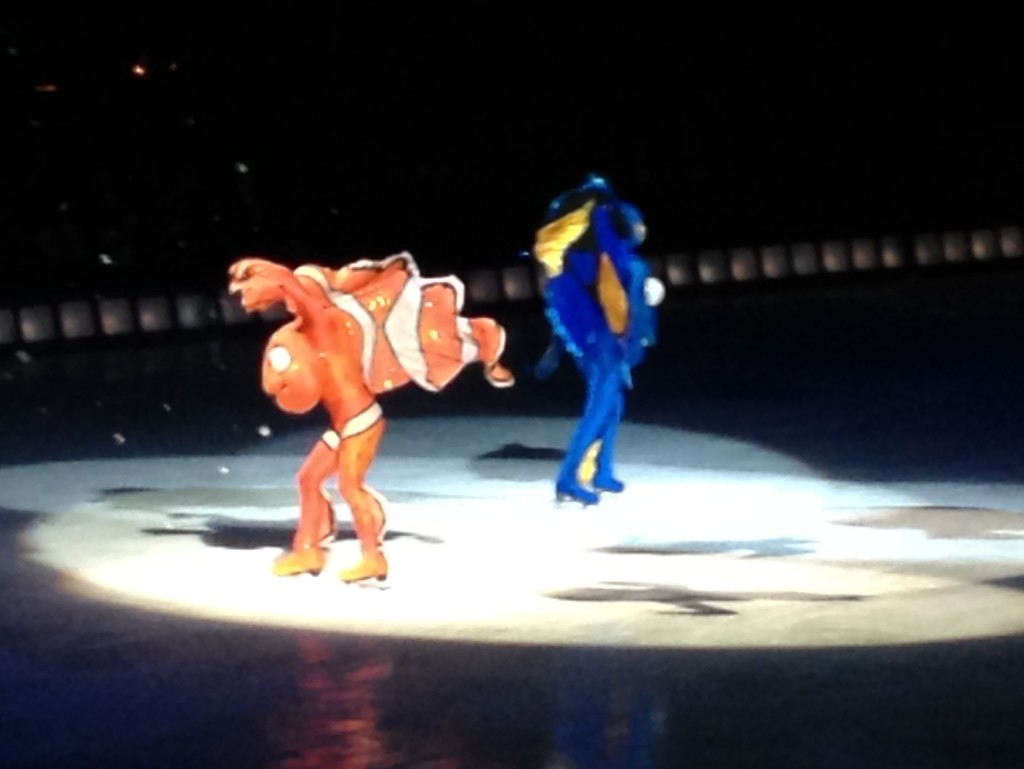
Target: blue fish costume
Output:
{"points": [[600, 299]]}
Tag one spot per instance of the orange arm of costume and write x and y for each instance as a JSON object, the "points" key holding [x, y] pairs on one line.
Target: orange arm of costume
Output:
{"points": [[263, 283]]}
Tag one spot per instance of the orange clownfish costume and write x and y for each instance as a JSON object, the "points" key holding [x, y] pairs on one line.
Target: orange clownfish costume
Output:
{"points": [[367, 328]]}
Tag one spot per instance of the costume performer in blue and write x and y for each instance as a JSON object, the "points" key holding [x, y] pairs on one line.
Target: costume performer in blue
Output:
{"points": [[600, 300]]}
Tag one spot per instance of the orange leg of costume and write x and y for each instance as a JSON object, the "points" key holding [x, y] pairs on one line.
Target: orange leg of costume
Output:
{"points": [[490, 338], [355, 455], [316, 517]]}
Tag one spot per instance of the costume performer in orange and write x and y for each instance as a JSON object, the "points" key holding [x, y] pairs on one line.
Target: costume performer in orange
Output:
{"points": [[359, 331]]}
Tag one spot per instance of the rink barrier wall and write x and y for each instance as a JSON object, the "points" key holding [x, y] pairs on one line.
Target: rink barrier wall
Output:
{"points": [[75, 320]]}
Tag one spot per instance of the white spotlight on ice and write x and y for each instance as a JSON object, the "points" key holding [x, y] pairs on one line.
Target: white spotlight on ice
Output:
{"points": [[781, 555]]}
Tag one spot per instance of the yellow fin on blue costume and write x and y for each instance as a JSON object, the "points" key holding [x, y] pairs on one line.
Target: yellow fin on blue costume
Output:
{"points": [[555, 237]]}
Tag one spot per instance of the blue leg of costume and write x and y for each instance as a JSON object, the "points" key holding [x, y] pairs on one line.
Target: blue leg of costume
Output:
{"points": [[604, 478], [601, 413]]}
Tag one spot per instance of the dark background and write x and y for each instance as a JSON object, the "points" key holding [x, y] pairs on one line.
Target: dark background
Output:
{"points": [[365, 129], [335, 131]]}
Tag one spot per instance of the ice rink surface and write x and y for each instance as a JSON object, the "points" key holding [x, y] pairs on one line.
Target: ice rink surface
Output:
{"points": [[481, 551], [817, 560]]}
